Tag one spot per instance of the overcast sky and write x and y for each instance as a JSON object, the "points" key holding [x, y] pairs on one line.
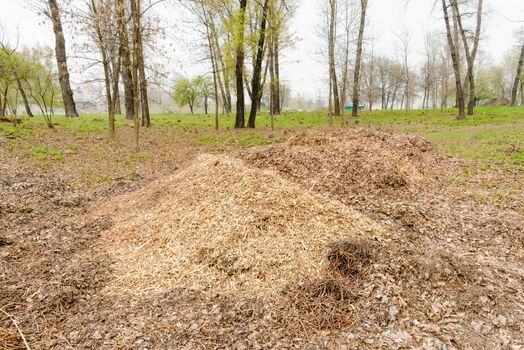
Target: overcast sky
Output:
{"points": [[302, 67]]}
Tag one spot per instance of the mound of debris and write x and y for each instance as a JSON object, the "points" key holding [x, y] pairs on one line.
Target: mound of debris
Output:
{"points": [[433, 284], [221, 226], [357, 162], [498, 102]]}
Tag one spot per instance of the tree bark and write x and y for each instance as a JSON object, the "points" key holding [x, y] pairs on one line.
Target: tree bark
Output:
{"points": [[239, 67], [136, 14], [61, 61], [332, 68], [470, 56], [24, 98], [257, 69], [214, 63], [276, 62], [522, 92], [219, 59], [455, 59], [518, 77], [271, 62], [115, 74], [217, 53], [358, 59], [3, 102], [127, 76], [144, 101], [105, 64], [345, 68]]}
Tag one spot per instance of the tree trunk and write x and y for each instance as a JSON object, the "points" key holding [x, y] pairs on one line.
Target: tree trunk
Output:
{"points": [[127, 76], [455, 59], [271, 62], [214, 63], [3, 102], [332, 69], [24, 98], [518, 76], [136, 14], [217, 57], [276, 62], [239, 67], [219, 60], [358, 59], [394, 97], [61, 61], [257, 69], [470, 56], [262, 86], [522, 92], [115, 73], [105, 64], [113, 107], [144, 101], [345, 69], [118, 103]]}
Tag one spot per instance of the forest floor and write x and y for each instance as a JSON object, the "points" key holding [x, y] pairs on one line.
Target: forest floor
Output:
{"points": [[302, 237]]}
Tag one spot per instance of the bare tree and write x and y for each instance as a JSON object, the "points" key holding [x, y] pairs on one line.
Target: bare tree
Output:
{"points": [[349, 22], [278, 39], [358, 58], [125, 54], [470, 54], [136, 14], [61, 59], [453, 48], [369, 77], [100, 16], [206, 20], [404, 37], [332, 35], [139, 57]]}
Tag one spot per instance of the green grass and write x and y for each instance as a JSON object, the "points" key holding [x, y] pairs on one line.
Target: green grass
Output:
{"points": [[243, 140], [44, 153], [26, 209], [494, 134]]}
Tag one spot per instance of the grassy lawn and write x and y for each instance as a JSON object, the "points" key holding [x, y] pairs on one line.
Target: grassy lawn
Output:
{"points": [[494, 134]]}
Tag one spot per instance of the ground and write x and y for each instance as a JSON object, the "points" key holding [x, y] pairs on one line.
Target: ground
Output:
{"points": [[439, 262]]}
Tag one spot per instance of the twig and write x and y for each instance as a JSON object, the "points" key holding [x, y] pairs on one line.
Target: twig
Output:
{"points": [[17, 328]]}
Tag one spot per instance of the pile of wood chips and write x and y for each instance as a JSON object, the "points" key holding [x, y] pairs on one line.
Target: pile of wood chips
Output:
{"points": [[222, 227]]}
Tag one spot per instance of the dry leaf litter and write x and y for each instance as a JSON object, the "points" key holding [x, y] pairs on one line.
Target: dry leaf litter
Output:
{"points": [[347, 241]]}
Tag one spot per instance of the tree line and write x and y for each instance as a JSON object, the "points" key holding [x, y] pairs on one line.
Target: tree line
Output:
{"points": [[450, 74], [27, 75], [242, 41], [243, 44]]}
